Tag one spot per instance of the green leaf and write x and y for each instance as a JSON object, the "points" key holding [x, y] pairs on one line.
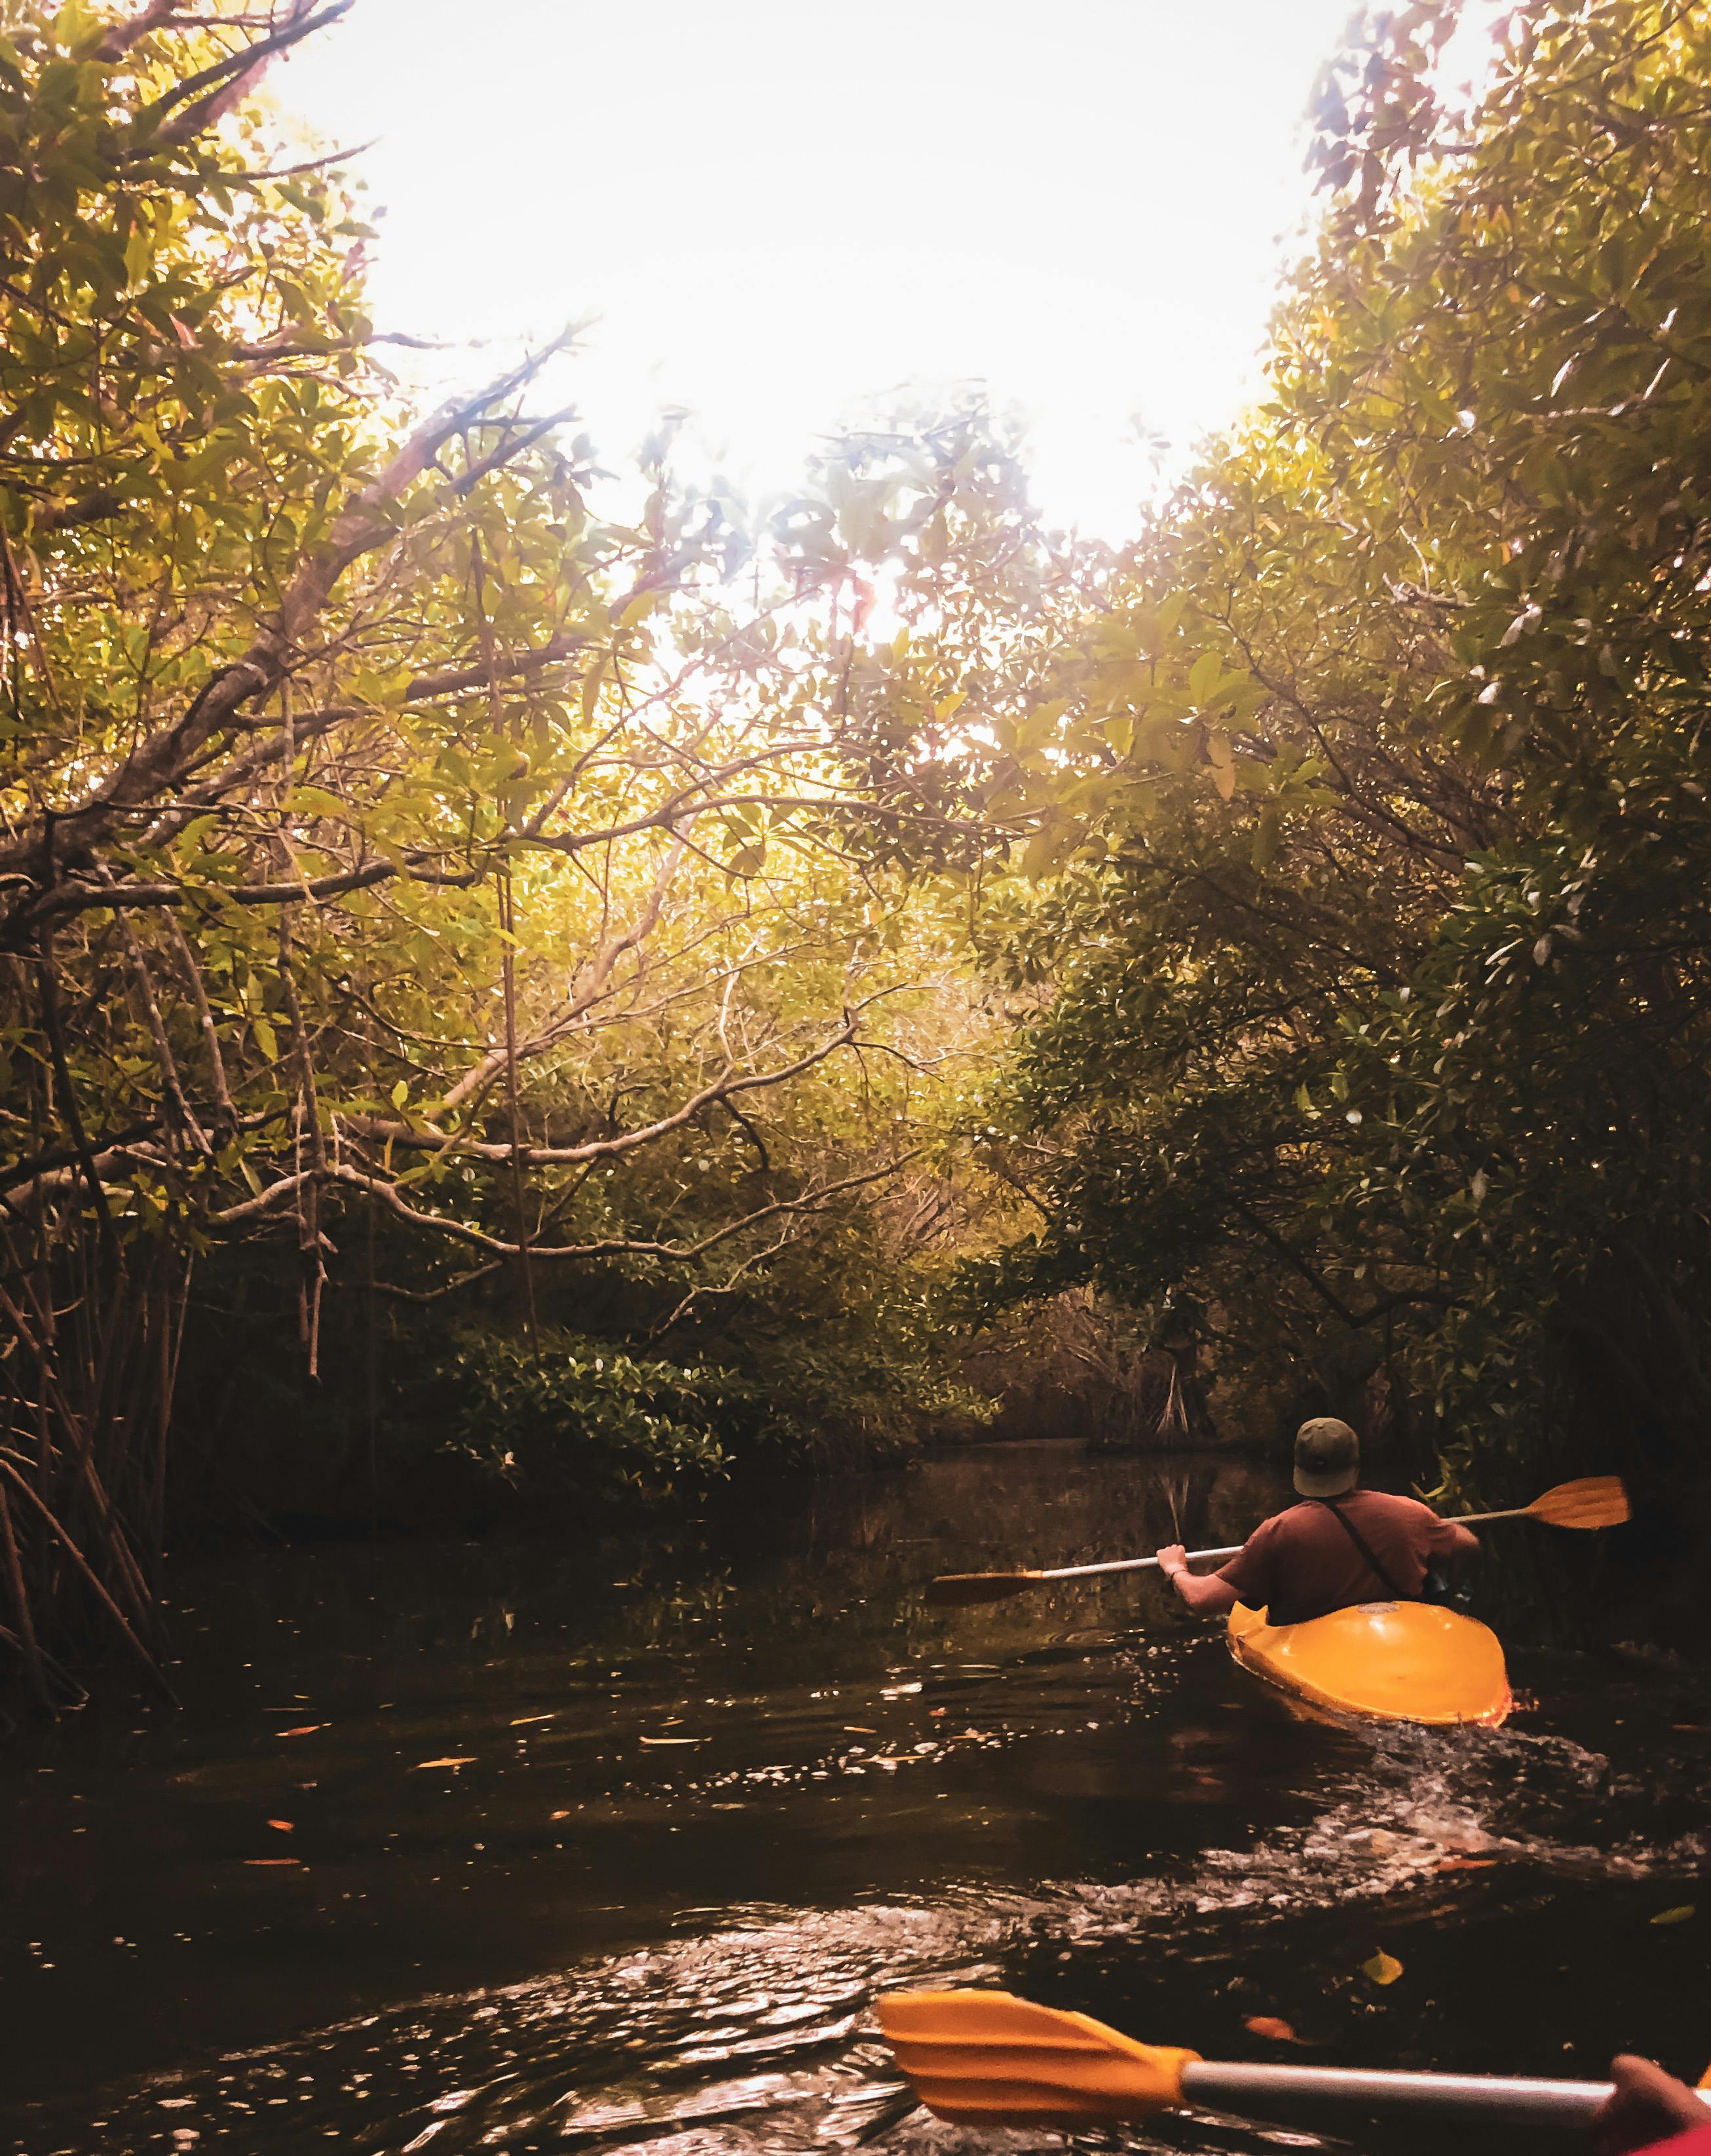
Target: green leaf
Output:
{"points": [[1047, 847], [1203, 676], [139, 252], [1038, 727]]}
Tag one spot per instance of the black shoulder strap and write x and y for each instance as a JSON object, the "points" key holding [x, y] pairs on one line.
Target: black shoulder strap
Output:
{"points": [[1366, 1549]]}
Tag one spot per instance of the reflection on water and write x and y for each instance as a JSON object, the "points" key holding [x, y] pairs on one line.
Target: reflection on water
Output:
{"points": [[495, 1846]]}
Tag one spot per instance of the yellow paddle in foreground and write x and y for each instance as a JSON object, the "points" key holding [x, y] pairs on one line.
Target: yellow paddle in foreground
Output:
{"points": [[985, 2058], [1595, 1501]]}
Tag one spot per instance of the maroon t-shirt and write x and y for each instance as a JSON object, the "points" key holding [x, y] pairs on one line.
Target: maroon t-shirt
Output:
{"points": [[1692, 2141], [1303, 1563]]}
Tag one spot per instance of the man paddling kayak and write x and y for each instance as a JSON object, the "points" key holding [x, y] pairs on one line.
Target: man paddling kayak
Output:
{"points": [[1343, 1546]]}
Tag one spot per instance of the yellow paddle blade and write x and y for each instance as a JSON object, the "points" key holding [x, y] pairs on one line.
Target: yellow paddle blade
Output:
{"points": [[986, 2058], [1595, 1501], [955, 1591]]}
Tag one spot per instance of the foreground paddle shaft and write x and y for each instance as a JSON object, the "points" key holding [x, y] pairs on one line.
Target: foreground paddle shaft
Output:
{"points": [[1250, 2089], [986, 2058], [1595, 1501], [960, 1587]]}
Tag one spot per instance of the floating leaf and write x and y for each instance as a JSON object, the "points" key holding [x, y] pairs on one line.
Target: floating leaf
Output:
{"points": [[1269, 2025], [308, 1729], [1382, 1968], [1679, 1915]]}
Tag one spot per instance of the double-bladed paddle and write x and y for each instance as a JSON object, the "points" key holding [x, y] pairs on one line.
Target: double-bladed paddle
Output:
{"points": [[1595, 1501], [987, 2058]]}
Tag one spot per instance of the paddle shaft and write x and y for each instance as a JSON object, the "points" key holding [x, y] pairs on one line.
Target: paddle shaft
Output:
{"points": [[1137, 1563], [1248, 2089], [1220, 1556]]}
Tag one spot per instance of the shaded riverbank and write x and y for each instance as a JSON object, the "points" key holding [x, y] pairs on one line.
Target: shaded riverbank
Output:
{"points": [[487, 1844]]}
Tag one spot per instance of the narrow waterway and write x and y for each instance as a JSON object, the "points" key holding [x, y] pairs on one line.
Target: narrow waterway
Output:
{"points": [[503, 1845]]}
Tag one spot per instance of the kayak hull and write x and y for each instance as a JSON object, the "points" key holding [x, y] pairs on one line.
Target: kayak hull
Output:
{"points": [[1385, 1661]]}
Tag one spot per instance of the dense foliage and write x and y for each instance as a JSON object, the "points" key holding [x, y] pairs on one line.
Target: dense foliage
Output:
{"points": [[494, 961], [415, 885], [1374, 969]]}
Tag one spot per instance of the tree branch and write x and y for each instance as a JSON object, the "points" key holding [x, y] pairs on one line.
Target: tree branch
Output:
{"points": [[161, 760], [388, 1195], [722, 1088], [213, 91], [120, 37]]}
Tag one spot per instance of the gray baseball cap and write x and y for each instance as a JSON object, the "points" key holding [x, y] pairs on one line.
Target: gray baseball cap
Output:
{"points": [[1327, 1458]]}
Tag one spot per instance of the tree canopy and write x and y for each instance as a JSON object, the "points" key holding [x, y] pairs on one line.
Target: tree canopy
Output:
{"points": [[387, 836], [575, 967], [1378, 957]]}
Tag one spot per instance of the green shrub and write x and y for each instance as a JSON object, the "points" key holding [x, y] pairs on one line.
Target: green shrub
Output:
{"points": [[586, 1416]]}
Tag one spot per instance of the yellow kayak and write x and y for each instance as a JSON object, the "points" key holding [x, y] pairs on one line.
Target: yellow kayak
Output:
{"points": [[1391, 1661]]}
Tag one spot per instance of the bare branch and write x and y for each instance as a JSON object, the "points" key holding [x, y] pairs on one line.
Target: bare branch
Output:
{"points": [[185, 1113], [205, 1018], [120, 37], [606, 959], [727, 1287], [159, 761], [388, 1195], [721, 1088], [211, 92]]}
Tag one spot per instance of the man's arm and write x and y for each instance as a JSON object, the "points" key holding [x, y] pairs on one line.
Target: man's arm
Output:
{"points": [[1206, 1594], [1449, 1538]]}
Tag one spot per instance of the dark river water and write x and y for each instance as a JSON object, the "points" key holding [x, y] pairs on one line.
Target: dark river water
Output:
{"points": [[507, 1845]]}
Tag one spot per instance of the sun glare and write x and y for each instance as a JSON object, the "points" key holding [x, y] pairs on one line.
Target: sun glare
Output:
{"points": [[772, 214]]}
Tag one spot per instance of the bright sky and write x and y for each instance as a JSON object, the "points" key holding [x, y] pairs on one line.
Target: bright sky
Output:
{"points": [[774, 210]]}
